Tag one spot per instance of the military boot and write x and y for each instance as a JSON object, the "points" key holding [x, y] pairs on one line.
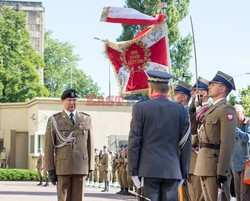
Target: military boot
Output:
{"points": [[105, 188], [125, 192], [120, 192], [40, 181], [47, 182], [107, 185]]}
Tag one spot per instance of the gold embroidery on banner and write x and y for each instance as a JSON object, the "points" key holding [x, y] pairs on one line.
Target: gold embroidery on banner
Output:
{"points": [[135, 58]]}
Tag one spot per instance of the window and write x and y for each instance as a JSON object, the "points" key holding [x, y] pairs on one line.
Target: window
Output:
{"points": [[36, 141], [32, 144]]}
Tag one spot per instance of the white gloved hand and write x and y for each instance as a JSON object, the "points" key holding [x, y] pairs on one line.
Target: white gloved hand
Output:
{"points": [[136, 181]]}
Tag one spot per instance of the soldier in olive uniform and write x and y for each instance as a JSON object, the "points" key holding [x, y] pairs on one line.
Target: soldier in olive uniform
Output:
{"points": [[159, 145], [201, 105], [39, 167], [124, 171], [106, 167], [217, 139], [119, 162], [69, 151], [96, 171]]}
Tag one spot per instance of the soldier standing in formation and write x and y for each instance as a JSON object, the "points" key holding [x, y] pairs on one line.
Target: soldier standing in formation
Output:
{"points": [[197, 110], [119, 162], [40, 166], [96, 170], [217, 139], [153, 146], [106, 167], [4, 158], [69, 151]]}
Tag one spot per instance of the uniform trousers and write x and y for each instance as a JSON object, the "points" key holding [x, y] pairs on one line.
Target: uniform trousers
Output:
{"points": [[194, 188], [157, 189], [242, 189], [210, 188], [70, 187]]}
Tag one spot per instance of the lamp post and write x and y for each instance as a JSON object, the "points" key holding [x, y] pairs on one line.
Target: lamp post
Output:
{"points": [[247, 73], [67, 62], [96, 38]]}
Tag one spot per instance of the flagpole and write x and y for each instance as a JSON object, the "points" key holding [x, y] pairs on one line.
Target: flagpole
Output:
{"points": [[171, 83]]}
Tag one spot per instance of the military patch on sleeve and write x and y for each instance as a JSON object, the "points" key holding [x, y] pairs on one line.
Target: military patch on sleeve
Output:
{"points": [[230, 116]]}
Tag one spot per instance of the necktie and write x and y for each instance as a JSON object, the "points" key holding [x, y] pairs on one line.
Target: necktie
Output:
{"points": [[72, 118]]}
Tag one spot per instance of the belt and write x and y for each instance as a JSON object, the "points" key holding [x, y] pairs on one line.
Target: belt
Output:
{"points": [[209, 145]]}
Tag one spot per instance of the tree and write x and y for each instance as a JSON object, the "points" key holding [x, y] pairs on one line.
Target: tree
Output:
{"points": [[19, 64], [243, 99], [180, 47], [60, 62]]}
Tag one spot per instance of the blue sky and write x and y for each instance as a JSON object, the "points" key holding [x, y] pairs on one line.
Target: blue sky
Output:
{"points": [[222, 33]]}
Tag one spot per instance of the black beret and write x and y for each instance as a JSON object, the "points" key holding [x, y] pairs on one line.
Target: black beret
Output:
{"points": [[69, 93]]}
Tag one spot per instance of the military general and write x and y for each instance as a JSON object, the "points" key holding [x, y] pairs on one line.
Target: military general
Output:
{"points": [[159, 146], [69, 151], [216, 140]]}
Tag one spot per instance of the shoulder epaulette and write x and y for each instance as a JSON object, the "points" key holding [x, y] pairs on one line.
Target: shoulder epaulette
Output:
{"points": [[56, 114], [84, 113]]}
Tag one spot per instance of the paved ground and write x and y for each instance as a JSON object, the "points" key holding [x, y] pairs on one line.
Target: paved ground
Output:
{"points": [[28, 191]]}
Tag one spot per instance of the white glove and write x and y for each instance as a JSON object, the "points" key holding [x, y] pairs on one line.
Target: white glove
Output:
{"points": [[136, 181]]}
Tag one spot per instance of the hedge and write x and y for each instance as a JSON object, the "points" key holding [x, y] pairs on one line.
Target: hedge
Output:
{"points": [[18, 175]]}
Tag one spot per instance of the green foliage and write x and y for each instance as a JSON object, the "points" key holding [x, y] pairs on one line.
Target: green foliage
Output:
{"points": [[243, 99], [59, 63], [19, 64], [18, 175], [180, 47]]}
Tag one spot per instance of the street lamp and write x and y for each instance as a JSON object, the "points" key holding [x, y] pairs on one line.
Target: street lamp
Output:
{"points": [[96, 38], [67, 62]]}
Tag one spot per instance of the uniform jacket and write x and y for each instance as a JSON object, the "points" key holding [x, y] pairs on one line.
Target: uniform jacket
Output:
{"points": [[77, 158], [106, 162], [195, 140], [218, 128], [156, 128], [40, 161]]}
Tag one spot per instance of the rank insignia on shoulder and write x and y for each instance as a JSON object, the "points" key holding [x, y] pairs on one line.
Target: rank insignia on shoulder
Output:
{"points": [[230, 116]]}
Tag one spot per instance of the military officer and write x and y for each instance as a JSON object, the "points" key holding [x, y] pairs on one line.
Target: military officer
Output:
{"points": [[96, 171], [159, 146], [182, 93], [217, 139], [69, 151], [106, 167], [119, 161], [201, 99], [39, 167], [4, 158]]}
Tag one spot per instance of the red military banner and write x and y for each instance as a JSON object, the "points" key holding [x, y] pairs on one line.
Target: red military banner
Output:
{"points": [[131, 59]]}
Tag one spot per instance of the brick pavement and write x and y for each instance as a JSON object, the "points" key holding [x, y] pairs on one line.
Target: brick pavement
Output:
{"points": [[28, 191]]}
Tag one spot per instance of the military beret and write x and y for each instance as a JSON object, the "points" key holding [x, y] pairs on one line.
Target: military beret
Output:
{"points": [[183, 87], [69, 93], [202, 84], [158, 76], [225, 79]]}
